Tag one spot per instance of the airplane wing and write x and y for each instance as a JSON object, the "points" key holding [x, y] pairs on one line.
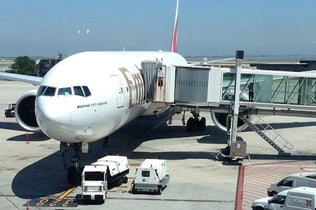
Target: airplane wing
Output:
{"points": [[22, 78]]}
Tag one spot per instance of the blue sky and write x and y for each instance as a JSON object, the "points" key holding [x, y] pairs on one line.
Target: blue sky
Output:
{"points": [[206, 27]]}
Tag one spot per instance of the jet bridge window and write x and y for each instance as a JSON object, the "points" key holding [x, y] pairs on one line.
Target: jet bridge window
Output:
{"points": [[64, 91]]}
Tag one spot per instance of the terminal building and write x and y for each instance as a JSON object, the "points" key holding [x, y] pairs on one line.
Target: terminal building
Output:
{"points": [[302, 65]]}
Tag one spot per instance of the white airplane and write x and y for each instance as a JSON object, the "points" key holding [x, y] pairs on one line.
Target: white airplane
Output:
{"points": [[88, 96]]}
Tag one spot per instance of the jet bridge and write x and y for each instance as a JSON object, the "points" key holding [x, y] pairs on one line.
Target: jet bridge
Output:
{"points": [[196, 88], [214, 86]]}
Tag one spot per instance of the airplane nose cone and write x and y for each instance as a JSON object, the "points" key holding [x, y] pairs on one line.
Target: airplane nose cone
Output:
{"points": [[52, 116]]}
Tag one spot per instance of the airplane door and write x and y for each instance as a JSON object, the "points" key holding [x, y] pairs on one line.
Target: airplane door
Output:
{"points": [[119, 90]]}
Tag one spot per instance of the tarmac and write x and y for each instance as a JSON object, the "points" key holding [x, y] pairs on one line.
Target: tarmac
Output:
{"points": [[32, 175]]}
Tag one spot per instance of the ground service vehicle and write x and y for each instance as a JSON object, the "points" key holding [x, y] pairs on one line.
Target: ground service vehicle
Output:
{"points": [[101, 175], [296, 198], [10, 111], [151, 176], [306, 179], [269, 202]]}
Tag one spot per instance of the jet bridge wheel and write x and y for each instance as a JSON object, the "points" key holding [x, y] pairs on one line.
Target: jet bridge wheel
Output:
{"points": [[194, 124]]}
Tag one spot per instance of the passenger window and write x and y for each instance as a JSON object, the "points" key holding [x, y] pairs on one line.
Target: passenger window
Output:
{"points": [[86, 91], [64, 91], [286, 182], [50, 91], [78, 91]]}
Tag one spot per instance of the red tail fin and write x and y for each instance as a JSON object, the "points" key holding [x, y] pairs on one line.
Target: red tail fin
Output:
{"points": [[175, 31]]}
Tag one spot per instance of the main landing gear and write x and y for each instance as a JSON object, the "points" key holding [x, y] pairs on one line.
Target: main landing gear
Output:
{"points": [[74, 169], [196, 123]]}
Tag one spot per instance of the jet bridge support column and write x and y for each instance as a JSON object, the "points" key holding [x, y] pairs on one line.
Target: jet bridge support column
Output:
{"points": [[236, 149]]}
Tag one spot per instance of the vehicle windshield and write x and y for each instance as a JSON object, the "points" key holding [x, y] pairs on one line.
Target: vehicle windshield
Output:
{"points": [[279, 199], [94, 176], [286, 182], [145, 173]]}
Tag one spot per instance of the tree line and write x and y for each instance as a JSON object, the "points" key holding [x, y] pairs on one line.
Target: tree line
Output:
{"points": [[24, 65]]}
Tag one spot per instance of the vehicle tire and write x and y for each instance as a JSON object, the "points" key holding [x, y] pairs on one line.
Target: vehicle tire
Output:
{"points": [[202, 124], [190, 124], [258, 208], [133, 189], [159, 190], [73, 176]]}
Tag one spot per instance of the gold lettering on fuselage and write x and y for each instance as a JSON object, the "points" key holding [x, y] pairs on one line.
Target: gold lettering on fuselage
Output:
{"points": [[135, 86]]}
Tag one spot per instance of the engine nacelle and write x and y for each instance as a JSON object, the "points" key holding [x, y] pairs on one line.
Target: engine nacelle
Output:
{"points": [[25, 111], [221, 121]]}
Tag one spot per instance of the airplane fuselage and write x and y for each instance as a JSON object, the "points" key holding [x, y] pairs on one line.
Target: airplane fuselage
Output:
{"points": [[90, 95]]}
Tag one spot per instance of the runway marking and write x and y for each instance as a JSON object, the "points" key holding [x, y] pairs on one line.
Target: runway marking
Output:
{"points": [[60, 201], [65, 194]]}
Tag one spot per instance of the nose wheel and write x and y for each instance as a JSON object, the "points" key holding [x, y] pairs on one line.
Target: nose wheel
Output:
{"points": [[74, 168]]}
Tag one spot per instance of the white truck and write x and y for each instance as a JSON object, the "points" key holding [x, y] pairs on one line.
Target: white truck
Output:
{"points": [[292, 199], [98, 177], [306, 179], [151, 176]]}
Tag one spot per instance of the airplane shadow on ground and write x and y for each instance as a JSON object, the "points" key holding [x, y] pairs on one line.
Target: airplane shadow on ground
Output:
{"points": [[48, 175], [10, 126], [38, 136], [42, 178]]}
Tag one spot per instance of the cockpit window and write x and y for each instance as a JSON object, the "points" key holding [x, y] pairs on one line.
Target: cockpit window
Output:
{"points": [[86, 91], [50, 91], [78, 91], [64, 91], [41, 90]]}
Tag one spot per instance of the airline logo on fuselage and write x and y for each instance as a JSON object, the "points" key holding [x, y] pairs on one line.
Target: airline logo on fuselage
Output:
{"points": [[135, 84]]}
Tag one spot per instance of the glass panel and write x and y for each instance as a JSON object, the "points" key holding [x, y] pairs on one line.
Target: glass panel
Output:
{"points": [[64, 91], [272, 89], [50, 91], [41, 90], [145, 173], [94, 176], [78, 91], [86, 91]]}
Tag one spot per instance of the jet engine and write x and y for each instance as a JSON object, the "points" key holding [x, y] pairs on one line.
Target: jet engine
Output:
{"points": [[25, 111], [222, 121]]}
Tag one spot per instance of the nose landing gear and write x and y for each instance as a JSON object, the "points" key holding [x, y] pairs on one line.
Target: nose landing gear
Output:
{"points": [[74, 169]]}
